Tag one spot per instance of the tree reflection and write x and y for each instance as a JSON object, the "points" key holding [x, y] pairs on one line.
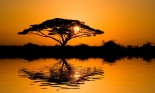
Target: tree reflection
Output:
{"points": [[63, 75]]}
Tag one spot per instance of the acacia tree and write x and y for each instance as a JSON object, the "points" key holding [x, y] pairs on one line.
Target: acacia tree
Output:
{"points": [[65, 29]]}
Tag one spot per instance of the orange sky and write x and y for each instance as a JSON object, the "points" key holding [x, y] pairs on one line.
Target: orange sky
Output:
{"points": [[125, 21]]}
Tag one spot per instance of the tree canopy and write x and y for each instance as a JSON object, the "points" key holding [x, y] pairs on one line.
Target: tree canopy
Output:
{"points": [[66, 29]]}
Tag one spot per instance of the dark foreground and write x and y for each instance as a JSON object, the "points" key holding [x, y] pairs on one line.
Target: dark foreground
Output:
{"points": [[109, 51]]}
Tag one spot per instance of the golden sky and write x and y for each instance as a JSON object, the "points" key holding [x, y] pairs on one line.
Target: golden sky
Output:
{"points": [[124, 21]]}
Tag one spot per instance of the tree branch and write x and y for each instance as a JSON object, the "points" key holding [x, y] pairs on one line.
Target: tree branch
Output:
{"points": [[82, 35], [62, 37], [44, 35]]}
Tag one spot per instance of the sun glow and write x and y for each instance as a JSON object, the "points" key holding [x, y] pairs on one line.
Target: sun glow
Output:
{"points": [[76, 75], [76, 29]]}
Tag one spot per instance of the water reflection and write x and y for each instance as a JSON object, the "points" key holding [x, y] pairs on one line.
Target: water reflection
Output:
{"points": [[63, 75]]}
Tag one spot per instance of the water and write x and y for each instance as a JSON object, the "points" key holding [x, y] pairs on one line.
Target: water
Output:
{"points": [[77, 76]]}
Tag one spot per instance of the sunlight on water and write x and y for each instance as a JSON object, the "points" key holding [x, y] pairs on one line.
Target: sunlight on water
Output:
{"points": [[77, 76], [63, 73]]}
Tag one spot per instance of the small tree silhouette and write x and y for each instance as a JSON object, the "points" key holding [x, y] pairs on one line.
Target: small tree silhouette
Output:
{"points": [[66, 29]]}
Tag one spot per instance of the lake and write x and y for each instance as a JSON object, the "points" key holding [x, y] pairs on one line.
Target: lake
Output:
{"points": [[93, 75]]}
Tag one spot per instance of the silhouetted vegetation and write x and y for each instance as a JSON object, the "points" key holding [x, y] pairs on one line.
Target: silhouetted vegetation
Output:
{"points": [[65, 29], [109, 51]]}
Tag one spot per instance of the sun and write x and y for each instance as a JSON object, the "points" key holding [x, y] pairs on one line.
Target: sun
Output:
{"points": [[76, 29]]}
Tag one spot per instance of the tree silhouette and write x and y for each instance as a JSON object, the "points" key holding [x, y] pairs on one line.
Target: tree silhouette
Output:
{"points": [[63, 73], [66, 29]]}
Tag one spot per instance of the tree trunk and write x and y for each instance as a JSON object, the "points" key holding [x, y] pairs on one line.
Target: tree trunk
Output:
{"points": [[64, 44]]}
